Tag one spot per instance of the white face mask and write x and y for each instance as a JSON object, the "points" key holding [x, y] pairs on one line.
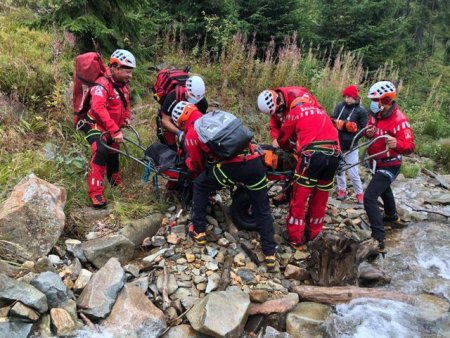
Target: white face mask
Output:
{"points": [[374, 107], [192, 100]]}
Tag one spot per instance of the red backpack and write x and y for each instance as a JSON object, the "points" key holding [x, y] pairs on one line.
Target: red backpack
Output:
{"points": [[167, 80], [88, 68]]}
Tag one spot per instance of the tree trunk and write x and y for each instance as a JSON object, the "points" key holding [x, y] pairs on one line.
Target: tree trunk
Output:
{"points": [[336, 295], [334, 259]]}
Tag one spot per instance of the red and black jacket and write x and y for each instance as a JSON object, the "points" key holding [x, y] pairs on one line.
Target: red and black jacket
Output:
{"points": [[396, 124]]}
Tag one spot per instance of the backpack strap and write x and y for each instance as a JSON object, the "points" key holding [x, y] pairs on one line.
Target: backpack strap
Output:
{"points": [[121, 94]]}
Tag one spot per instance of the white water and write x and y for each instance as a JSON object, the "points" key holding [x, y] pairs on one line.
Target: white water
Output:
{"points": [[418, 262]]}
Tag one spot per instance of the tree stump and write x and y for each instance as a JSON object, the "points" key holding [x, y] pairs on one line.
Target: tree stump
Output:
{"points": [[333, 260]]}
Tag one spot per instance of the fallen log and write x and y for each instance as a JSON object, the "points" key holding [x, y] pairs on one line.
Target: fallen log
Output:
{"points": [[344, 294], [437, 177]]}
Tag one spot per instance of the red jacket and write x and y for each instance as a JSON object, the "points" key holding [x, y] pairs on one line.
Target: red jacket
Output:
{"points": [[107, 108], [197, 153], [307, 123], [396, 124], [289, 94]]}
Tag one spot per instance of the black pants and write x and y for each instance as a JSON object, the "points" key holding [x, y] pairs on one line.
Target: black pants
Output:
{"points": [[248, 173], [380, 185]]}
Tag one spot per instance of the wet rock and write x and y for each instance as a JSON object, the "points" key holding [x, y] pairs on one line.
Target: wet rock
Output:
{"points": [[24, 313], [181, 331], [221, 314], [295, 272], [282, 305], [305, 319], [12, 290], [137, 230], [100, 293], [273, 333], [133, 314], [32, 218], [15, 329], [259, 296], [371, 275], [300, 255], [53, 287], [440, 199], [172, 284], [432, 308], [82, 280], [99, 251], [62, 321], [173, 239], [75, 247]]}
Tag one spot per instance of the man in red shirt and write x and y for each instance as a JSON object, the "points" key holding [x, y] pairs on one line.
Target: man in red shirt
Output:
{"points": [[276, 103], [110, 111], [318, 149], [247, 169], [385, 119]]}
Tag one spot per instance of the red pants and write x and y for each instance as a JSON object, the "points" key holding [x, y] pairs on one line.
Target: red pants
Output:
{"points": [[296, 222], [103, 161]]}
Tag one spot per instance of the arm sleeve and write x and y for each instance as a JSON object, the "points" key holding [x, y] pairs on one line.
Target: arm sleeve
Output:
{"points": [[405, 141], [195, 159], [336, 111], [170, 100], [202, 105], [286, 132], [127, 113], [99, 99], [274, 126]]}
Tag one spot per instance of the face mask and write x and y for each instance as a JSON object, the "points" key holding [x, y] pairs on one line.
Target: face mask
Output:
{"points": [[374, 107], [192, 100]]}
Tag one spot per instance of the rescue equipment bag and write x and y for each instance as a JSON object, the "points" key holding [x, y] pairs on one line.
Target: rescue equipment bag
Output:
{"points": [[168, 80]]}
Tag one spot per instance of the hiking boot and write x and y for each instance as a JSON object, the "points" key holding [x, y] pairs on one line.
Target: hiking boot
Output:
{"points": [[280, 198], [297, 246], [98, 202], [198, 238], [394, 221], [270, 261], [360, 199], [342, 195], [381, 248]]}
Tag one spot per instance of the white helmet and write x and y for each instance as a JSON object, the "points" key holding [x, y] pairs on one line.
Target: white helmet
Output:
{"points": [[181, 112], [123, 58], [195, 89], [381, 90], [267, 101]]}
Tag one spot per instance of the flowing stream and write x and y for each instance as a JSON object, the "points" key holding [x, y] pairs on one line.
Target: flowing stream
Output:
{"points": [[418, 262]]}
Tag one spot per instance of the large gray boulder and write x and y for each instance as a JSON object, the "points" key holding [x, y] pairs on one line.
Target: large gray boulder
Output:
{"points": [[98, 251], [221, 314], [53, 287], [100, 293], [31, 219], [12, 290], [134, 314]]}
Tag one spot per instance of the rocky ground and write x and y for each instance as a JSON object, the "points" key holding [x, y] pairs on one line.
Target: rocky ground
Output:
{"points": [[144, 281]]}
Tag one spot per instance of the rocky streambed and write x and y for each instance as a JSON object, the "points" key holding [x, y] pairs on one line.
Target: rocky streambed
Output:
{"points": [[143, 281]]}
